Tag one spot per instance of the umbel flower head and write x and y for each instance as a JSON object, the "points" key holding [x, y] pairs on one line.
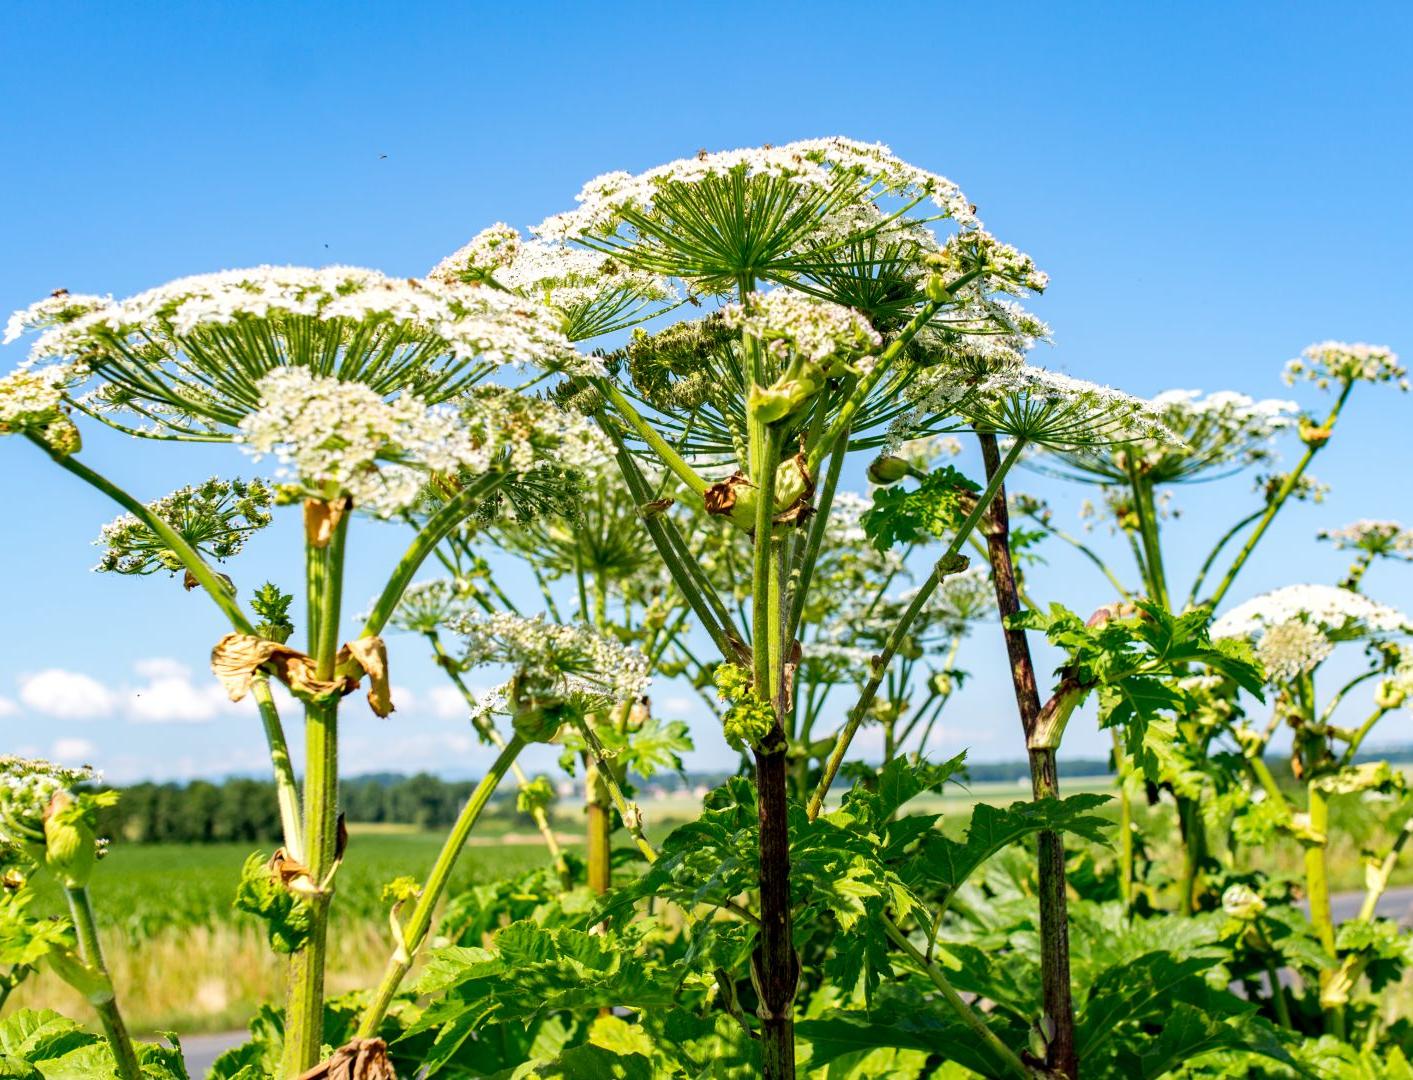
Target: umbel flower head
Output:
{"points": [[428, 606], [1328, 363], [188, 357], [336, 438], [1382, 539], [1216, 435], [561, 672], [32, 402], [42, 814], [826, 216], [216, 518], [1296, 628], [593, 293]]}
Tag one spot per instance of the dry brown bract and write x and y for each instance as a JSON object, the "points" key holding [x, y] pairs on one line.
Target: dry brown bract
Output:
{"points": [[362, 1059], [237, 657]]}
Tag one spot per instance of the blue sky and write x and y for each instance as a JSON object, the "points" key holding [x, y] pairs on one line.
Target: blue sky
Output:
{"points": [[1210, 186]]}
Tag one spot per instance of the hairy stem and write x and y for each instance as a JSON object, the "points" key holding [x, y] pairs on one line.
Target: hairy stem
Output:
{"points": [[304, 1015], [1061, 1051], [1004, 1056]]}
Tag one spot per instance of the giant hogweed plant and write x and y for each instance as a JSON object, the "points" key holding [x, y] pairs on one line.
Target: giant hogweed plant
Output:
{"points": [[364, 388], [839, 302], [835, 319]]}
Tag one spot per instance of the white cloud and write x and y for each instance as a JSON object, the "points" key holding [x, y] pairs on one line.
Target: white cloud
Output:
{"points": [[174, 699], [67, 695], [162, 667], [446, 703], [678, 706], [404, 700], [73, 751], [8, 707]]}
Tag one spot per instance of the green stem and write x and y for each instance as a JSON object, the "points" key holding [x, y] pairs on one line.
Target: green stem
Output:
{"points": [[286, 787], [659, 445], [1146, 508], [488, 732], [304, 1015], [1217, 550], [1004, 1056], [437, 529], [215, 587], [414, 931], [105, 1004], [1282, 494], [900, 632], [1126, 873], [800, 586]]}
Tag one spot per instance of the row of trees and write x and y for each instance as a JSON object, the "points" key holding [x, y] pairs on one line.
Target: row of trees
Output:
{"points": [[245, 810]]}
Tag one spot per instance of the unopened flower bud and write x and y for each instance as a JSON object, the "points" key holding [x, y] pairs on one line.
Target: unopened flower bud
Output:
{"points": [[887, 469], [70, 848], [1242, 902], [1389, 695], [935, 289], [940, 683], [1313, 435]]}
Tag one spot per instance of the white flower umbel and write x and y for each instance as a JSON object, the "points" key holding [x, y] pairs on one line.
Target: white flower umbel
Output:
{"points": [[1043, 407], [32, 396], [61, 306], [215, 518], [338, 438], [1329, 363], [428, 606], [789, 325], [1218, 434], [26, 787], [830, 165], [188, 355], [1388, 539], [1296, 628], [572, 661], [594, 293], [1288, 650]]}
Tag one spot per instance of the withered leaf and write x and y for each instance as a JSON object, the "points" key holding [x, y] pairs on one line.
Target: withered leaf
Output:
{"points": [[361, 1059], [372, 656], [322, 518], [236, 658]]}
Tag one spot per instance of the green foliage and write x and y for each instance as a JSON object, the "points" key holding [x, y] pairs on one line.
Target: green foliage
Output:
{"points": [[932, 510], [271, 606], [261, 893], [748, 720]]}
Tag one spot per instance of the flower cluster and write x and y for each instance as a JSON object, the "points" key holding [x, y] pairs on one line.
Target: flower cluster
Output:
{"points": [[340, 438], [427, 606], [560, 671], [819, 163], [1215, 434], [216, 518], [1004, 266], [191, 352], [790, 325], [1388, 539], [1342, 362], [60, 306], [594, 292], [32, 397], [1045, 407], [1296, 628], [27, 786]]}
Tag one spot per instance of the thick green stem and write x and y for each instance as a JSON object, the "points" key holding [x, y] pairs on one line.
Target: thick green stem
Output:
{"points": [[1192, 829], [414, 930], [304, 1014], [901, 630], [1147, 510], [1061, 1051], [1004, 1056], [598, 808], [1317, 885], [104, 1003], [286, 787]]}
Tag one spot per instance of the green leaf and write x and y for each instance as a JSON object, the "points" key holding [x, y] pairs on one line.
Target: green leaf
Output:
{"points": [[41, 1035], [1190, 1032], [1136, 990], [586, 1062], [946, 864], [933, 510], [845, 1032]]}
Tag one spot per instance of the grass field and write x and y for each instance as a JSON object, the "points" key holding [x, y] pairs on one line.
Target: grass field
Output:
{"points": [[185, 960]]}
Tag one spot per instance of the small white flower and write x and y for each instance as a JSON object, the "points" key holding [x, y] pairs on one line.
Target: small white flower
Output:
{"points": [[789, 324], [1328, 362]]}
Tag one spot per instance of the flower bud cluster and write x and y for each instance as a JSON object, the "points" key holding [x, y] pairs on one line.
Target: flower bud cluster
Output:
{"points": [[1340, 362], [216, 518]]}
